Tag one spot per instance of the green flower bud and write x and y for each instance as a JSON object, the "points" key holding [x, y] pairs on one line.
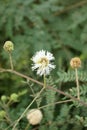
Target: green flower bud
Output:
{"points": [[8, 46], [14, 97], [2, 114], [3, 98]]}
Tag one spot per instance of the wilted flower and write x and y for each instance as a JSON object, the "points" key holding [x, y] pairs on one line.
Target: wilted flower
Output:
{"points": [[42, 62], [34, 116], [75, 62], [8, 46]]}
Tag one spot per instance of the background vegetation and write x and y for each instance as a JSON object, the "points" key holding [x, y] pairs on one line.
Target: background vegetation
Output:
{"points": [[59, 26]]}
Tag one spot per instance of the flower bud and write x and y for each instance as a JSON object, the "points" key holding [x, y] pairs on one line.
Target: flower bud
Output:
{"points": [[14, 97], [8, 46], [3, 98], [75, 62], [34, 116], [2, 114]]}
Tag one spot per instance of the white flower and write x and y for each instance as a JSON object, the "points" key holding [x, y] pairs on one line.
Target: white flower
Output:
{"points": [[42, 62]]}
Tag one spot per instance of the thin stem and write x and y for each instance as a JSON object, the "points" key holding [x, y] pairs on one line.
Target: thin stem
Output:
{"points": [[33, 93], [44, 81], [66, 9], [10, 125], [27, 109], [26, 128], [77, 84], [21, 75], [54, 103], [7, 117], [11, 62]]}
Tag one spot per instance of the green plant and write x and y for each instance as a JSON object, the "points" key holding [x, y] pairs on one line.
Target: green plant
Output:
{"points": [[57, 26]]}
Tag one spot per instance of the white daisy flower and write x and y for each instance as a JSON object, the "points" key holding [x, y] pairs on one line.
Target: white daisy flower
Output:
{"points": [[42, 62]]}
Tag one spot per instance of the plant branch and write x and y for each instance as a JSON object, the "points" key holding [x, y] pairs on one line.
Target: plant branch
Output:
{"points": [[21, 75], [81, 3], [33, 93], [27, 109], [41, 84], [54, 103]]}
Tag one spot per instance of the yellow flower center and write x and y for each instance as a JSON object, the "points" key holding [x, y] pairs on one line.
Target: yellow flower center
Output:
{"points": [[44, 61]]}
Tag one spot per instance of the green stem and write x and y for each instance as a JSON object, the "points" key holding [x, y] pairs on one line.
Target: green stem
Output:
{"points": [[54, 103], [11, 62], [27, 109], [26, 128], [33, 93], [44, 81]]}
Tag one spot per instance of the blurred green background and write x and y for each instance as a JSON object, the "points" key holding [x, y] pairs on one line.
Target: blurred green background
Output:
{"points": [[59, 26]]}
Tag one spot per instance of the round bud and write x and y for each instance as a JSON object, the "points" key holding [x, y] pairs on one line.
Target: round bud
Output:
{"points": [[3, 98], [2, 114], [34, 116], [75, 62], [14, 97], [8, 46]]}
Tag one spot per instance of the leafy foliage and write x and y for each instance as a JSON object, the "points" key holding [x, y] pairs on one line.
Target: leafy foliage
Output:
{"points": [[55, 25], [49, 111], [70, 76]]}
